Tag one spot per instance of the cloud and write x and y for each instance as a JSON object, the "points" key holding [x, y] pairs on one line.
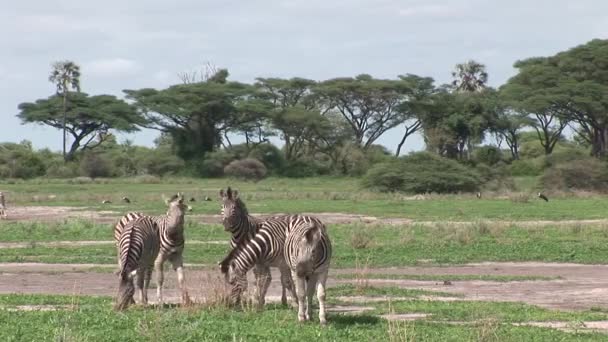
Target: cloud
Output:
{"points": [[429, 11], [110, 67]]}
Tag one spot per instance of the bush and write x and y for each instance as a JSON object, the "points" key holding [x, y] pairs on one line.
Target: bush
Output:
{"points": [[270, 155], [488, 155], [422, 172], [529, 167], [95, 165], [587, 174], [306, 167], [246, 169]]}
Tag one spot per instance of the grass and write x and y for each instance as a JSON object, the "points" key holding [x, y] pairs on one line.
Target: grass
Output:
{"points": [[390, 245], [442, 277], [279, 195], [94, 320], [383, 291]]}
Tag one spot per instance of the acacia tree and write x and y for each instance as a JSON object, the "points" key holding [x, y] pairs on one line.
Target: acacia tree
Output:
{"points": [[295, 112], [470, 76], [415, 105], [368, 105], [197, 115], [88, 119], [65, 75]]}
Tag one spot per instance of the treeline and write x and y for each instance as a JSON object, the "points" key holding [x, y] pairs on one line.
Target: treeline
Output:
{"points": [[332, 126]]}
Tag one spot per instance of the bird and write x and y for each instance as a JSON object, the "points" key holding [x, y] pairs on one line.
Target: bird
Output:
{"points": [[106, 202], [540, 195], [192, 199], [478, 194], [126, 199], [207, 198]]}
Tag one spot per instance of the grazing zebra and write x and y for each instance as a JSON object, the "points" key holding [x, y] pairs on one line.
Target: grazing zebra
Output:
{"points": [[138, 248], [308, 253], [171, 236], [243, 228], [2, 206], [265, 248]]}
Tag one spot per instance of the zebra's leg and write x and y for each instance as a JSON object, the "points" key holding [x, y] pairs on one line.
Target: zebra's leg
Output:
{"points": [[147, 281], [158, 268], [322, 278], [287, 284], [262, 280], [311, 283], [301, 294], [141, 273], [178, 265]]}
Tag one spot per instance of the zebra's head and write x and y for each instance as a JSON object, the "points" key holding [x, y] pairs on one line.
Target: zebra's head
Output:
{"points": [[233, 209], [176, 204]]}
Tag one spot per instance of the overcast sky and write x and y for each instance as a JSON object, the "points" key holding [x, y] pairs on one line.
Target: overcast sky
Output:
{"points": [[130, 44]]}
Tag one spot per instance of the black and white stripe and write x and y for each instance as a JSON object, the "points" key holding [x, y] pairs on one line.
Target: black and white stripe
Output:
{"points": [[171, 241], [138, 248], [308, 252], [266, 248], [3, 214], [243, 228]]}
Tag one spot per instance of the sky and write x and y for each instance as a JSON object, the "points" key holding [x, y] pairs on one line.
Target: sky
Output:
{"points": [[145, 43]]}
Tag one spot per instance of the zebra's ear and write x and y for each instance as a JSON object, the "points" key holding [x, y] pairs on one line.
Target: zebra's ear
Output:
{"points": [[229, 193]]}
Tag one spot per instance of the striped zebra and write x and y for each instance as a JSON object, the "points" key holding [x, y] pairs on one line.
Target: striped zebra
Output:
{"points": [[308, 253], [2, 206], [298, 241], [137, 249], [171, 239], [243, 228]]}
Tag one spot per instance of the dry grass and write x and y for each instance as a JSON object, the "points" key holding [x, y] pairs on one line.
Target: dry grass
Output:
{"points": [[399, 331], [362, 276], [487, 330], [361, 239]]}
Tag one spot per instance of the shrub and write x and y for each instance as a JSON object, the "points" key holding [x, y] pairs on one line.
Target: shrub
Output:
{"points": [[214, 163], [581, 174], [306, 167], [420, 173], [488, 155], [95, 165], [270, 155], [529, 167], [246, 169]]}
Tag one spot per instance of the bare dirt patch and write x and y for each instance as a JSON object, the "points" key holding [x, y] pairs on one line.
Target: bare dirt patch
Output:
{"points": [[579, 287]]}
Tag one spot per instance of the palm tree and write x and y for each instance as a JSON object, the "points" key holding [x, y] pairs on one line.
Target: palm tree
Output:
{"points": [[470, 76], [65, 75]]}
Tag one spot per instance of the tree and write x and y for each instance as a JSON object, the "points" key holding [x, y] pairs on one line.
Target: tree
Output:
{"points": [[295, 112], [455, 122], [529, 94], [370, 106], [470, 76], [196, 114], [573, 85], [416, 105], [88, 119], [65, 75]]}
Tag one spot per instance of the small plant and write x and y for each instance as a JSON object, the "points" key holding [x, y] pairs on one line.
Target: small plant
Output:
{"points": [[486, 330], [361, 239]]}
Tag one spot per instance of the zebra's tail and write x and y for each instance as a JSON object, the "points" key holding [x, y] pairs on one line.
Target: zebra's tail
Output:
{"points": [[126, 290], [306, 246]]}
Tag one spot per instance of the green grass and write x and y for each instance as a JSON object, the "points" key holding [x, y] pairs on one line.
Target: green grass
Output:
{"points": [[82, 230], [382, 291], [94, 320], [442, 277], [279, 195], [381, 246]]}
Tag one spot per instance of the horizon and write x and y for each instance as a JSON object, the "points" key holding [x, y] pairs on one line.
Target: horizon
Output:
{"points": [[149, 42]]}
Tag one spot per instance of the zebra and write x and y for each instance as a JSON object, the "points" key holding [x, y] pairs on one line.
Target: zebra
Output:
{"points": [[137, 249], [266, 248], [3, 214], [243, 227], [308, 253], [171, 239]]}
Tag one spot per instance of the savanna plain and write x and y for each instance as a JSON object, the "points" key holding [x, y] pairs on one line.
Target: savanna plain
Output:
{"points": [[503, 267]]}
